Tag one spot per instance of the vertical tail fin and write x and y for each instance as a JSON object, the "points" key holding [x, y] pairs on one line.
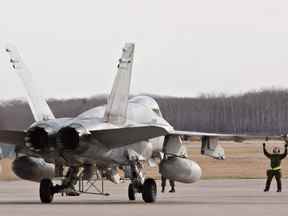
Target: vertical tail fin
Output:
{"points": [[38, 105], [116, 110]]}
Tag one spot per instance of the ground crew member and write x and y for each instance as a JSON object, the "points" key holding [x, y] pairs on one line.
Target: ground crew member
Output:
{"points": [[275, 163], [163, 185], [163, 179], [170, 153]]}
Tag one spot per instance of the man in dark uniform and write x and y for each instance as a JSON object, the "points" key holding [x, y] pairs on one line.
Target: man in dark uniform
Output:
{"points": [[179, 152], [163, 185], [163, 179], [275, 163]]}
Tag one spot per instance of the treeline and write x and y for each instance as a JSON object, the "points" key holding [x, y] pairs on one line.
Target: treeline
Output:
{"points": [[256, 112]]}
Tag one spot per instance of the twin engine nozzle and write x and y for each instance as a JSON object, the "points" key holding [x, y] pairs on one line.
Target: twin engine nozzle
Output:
{"points": [[47, 139], [40, 138]]}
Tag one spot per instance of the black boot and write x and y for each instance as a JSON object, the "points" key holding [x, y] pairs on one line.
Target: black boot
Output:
{"points": [[172, 190]]}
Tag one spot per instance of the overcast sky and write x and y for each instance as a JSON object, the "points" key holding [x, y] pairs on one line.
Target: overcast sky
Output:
{"points": [[183, 48]]}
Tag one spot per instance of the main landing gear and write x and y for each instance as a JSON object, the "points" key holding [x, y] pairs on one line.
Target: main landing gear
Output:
{"points": [[147, 187], [46, 191], [148, 191], [87, 186]]}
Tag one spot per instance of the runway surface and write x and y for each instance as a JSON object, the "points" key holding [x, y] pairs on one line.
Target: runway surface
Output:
{"points": [[208, 197]]}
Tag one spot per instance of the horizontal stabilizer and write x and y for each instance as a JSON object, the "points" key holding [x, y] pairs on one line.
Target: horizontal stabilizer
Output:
{"points": [[12, 137], [115, 138]]}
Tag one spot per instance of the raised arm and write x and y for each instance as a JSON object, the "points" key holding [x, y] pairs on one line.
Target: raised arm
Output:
{"points": [[267, 154], [286, 150]]}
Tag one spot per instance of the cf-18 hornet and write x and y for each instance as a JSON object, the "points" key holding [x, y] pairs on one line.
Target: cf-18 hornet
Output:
{"points": [[124, 135]]}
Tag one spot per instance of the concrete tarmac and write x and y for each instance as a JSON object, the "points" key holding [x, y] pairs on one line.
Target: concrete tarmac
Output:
{"points": [[207, 197]]}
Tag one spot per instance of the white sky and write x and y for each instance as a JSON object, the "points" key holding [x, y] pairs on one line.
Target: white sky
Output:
{"points": [[183, 48]]}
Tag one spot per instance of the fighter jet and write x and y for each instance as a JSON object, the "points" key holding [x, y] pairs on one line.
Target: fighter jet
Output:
{"points": [[124, 134]]}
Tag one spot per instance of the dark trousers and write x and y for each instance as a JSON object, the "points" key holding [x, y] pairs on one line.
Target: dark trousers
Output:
{"points": [[270, 175], [163, 183]]}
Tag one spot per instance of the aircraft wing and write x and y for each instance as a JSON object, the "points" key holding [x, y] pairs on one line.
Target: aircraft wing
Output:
{"points": [[12, 137], [118, 137], [210, 145], [223, 136]]}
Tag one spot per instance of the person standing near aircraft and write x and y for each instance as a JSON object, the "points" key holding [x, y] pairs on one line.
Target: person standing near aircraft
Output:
{"points": [[275, 163], [163, 185], [163, 178]]}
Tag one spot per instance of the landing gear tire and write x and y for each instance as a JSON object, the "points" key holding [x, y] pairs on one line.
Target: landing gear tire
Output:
{"points": [[46, 191], [149, 192], [131, 192]]}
